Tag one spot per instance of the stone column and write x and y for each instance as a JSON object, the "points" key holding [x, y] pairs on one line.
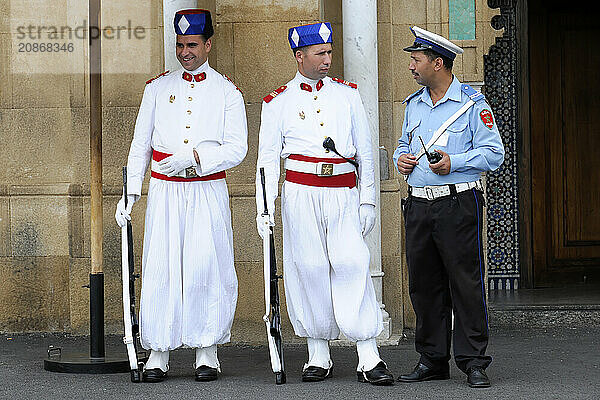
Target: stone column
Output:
{"points": [[360, 66], [169, 9]]}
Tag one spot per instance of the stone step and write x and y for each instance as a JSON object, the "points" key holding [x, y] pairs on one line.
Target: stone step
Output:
{"points": [[543, 315]]}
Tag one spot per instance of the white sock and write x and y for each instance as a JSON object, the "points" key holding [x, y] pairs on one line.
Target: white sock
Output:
{"points": [[207, 356], [158, 359], [318, 353], [368, 354]]}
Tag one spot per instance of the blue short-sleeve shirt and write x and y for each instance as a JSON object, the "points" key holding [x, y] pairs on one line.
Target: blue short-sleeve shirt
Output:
{"points": [[472, 141]]}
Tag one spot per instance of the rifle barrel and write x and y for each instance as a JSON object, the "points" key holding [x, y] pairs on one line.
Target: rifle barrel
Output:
{"points": [[264, 190], [125, 185]]}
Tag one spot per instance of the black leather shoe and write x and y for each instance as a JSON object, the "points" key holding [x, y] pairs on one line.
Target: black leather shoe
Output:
{"points": [[154, 375], [206, 374], [316, 374], [423, 373], [477, 378], [377, 376]]}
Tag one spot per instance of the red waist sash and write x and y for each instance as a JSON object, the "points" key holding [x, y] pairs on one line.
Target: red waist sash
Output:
{"points": [[159, 156], [343, 180]]}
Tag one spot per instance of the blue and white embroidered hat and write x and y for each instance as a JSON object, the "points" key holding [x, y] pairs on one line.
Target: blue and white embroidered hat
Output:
{"points": [[425, 40], [193, 22], [306, 35]]}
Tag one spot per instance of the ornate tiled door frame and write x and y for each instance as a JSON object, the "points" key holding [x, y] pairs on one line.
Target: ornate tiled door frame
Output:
{"points": [[505, 76]]}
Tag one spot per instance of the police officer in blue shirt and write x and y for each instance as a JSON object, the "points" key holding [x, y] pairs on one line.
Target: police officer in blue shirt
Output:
{"points": [[443, 213]]}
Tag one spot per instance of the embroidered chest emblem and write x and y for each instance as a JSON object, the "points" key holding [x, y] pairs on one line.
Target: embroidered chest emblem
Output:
{"points": [[301, 115], [171, 99]]}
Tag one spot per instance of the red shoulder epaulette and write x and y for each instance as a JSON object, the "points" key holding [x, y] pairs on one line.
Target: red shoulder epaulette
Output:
{"points": [[343, 82], [229, 79], [157, 76], [274, 93]]}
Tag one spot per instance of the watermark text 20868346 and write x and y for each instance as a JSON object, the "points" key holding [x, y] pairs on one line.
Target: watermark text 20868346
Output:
{"points": [[55, 47], [60, 48], [55, 39]]}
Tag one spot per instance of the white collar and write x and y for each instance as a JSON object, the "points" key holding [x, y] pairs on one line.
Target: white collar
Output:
{"points": [[203, 68], [304, 79]]}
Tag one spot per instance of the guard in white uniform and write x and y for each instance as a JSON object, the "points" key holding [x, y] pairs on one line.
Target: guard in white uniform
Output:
{"points": [[325, 216], [192, 124]]}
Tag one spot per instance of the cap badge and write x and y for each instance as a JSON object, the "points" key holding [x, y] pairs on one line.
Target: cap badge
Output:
{"points": [[324, 32], [183, 24], [295, 37]]}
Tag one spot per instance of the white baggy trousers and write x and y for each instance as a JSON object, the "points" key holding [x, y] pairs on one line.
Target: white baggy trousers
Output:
{"points": [[189, 285], [328, 287]]}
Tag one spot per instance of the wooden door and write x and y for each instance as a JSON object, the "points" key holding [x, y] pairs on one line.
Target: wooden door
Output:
{"points": [[565, 142]]}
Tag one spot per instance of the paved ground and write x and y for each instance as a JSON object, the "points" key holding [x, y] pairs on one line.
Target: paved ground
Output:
{"points": [[556, 363]]}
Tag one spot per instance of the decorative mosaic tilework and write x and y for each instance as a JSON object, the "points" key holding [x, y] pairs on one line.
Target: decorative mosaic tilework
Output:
{"points": [[500, 76], [462, 19]]}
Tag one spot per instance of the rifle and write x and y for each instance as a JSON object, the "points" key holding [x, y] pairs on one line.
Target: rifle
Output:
{"points": [[132, 328], [272, 296]]}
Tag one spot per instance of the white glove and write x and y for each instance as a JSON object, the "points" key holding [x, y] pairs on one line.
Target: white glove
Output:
{"points": [[176, 163], [263, 224], [122, 215], [367, 218]]}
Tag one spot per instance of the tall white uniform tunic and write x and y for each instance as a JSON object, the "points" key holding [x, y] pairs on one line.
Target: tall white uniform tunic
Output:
{"points": [[189, 285], [326, 260]]}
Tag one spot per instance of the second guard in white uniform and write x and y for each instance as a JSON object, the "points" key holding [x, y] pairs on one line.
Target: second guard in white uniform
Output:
{"points": [[190, 128], [325, 215]]}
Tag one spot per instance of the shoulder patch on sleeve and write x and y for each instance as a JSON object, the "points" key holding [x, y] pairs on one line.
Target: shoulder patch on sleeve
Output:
{"points": [[236, 86], [410, 96], [487, 118], [274, 93], [157, 76], [347, 83], [472, 93]]}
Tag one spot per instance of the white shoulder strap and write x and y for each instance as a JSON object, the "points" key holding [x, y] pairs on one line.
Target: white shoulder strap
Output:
{"points": [[440, 131]]}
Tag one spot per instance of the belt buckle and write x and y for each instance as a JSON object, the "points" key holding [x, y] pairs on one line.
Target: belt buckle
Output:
{"points": [[324, 169], [190, 172], [429, 193]]}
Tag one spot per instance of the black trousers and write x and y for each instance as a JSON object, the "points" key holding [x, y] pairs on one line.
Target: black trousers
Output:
{"points": [[446, 272]]}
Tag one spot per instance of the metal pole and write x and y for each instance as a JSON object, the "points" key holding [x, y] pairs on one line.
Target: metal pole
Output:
{"points": [[96, 275], [97, 362], [97, 349]]}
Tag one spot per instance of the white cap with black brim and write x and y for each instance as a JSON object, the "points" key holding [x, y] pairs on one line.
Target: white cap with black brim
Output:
{"points": [[425, 40]]}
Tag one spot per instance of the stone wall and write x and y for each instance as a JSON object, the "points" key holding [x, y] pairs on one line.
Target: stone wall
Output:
{"points": [[44, 176], [44, 129]]}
